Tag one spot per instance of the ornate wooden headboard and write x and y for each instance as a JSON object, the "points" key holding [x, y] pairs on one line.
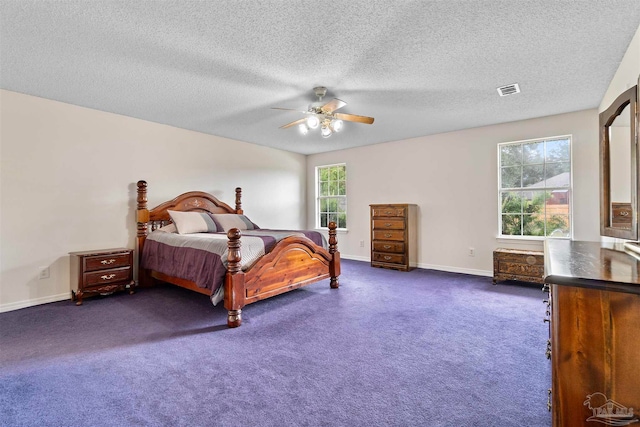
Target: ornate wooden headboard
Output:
{"points": [[191, 201]]}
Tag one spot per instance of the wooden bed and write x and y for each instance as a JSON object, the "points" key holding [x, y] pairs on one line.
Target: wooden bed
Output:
{"points": [[295, 261]]}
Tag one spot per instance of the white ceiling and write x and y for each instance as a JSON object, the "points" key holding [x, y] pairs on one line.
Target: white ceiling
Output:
{"points": [[418, 67]]}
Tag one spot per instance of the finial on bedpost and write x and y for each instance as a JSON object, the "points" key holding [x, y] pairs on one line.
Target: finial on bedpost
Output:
{"points": [[234, 281], [334, 265], [238, 200]]}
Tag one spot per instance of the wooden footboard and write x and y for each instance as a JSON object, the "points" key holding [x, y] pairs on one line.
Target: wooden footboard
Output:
{"points": [[294, 261]]}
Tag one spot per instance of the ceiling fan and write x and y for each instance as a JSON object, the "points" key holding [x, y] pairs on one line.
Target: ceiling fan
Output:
{"points": [[324, 115]]}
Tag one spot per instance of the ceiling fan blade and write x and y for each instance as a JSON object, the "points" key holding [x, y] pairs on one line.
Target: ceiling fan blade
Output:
{"points": [[288, 125], [354, 118], [289, 109], [332, 105]]}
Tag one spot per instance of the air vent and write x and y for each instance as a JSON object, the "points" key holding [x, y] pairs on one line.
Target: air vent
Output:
{"points": [[509, 89]]}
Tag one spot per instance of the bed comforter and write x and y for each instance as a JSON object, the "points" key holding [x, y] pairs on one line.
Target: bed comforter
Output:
{"points": [[202, 257]]}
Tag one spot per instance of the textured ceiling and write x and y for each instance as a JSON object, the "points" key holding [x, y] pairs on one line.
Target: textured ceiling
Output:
{"points": [[418, 67]]}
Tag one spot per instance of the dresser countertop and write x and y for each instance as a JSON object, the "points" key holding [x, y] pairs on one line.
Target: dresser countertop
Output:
{"points": [[596, 265]]}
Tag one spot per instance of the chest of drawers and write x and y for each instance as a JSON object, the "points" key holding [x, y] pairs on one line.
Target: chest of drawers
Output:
{"points": [[393, 236], [521, 265], [101, 272]]}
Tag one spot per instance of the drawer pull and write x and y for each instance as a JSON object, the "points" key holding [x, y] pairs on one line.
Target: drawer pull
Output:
{"points": [[389, 212], [624, 213], [107, 261], [387, 246], [108, 277], [387, 257], [388, 235], [388, 224]]}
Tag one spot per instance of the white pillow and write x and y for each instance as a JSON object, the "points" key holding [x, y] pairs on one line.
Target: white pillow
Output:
{"points": [[226, 222], [193, 222]]}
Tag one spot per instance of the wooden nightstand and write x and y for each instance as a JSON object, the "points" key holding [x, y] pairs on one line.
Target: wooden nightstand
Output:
{"points": [[101, 272]]}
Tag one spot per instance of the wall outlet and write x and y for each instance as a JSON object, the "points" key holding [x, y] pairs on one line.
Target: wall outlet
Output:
{"points": [[472, 251], [43, 273], [362, 243]]}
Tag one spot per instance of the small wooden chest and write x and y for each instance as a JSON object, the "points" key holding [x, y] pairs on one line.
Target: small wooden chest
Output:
{"points": [[517, 264]]}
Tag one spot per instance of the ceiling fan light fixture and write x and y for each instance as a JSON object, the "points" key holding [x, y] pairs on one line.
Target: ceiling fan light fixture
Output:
{"points": [[303, 128], [312, 122], [336, 125], [325, 131]]}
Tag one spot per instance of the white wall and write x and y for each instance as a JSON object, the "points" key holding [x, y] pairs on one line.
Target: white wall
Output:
{"points": [[452, 177], [68, 183], [627, 74]]}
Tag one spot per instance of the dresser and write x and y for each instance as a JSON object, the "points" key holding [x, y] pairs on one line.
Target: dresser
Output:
{"points": [[594, 314], [101, 272], [394, 236]]}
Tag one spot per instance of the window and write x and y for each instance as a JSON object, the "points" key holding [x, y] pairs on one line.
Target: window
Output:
{"points": [[535, 187], [331, 191]]}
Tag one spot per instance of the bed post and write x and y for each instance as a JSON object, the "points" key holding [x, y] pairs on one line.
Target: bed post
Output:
{"points": [[234, 280], [238, 200], [142, 217], [334, 264]]}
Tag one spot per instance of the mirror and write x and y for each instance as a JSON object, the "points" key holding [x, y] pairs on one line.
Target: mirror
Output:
{"points": [[619, 168]]}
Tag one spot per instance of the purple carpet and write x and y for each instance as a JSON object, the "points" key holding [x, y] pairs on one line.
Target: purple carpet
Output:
{"points": [[423, 348]]}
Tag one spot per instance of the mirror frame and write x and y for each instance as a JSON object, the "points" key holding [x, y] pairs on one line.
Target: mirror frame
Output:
{"points": [[607, 117]]}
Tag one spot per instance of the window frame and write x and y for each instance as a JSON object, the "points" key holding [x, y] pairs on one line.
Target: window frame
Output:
{"points": [[319, 197], [569, 189]]}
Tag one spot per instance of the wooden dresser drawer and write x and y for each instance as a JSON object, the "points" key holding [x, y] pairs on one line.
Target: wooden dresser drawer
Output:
{"points": [[101, 262], [388, 224], [397, 247], [389, 258], [388, 235], [390, 211], [621, 215]]}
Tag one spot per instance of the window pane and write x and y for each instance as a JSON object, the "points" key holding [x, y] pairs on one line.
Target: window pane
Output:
{"points": [[333, 217], [533, 153], [342, 188], [558, 150], [510, 155], [511, 224], [323, 205], [323, 174], [333, 188], [324, 189], [533, 202], [342, 220], [323, 220], [511, 177], [557, 174], [558, 225], [533, 176], [511, 202], [533, 225], [342, 205]]}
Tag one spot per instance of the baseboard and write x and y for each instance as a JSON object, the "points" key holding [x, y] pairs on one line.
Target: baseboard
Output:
{"points": [[472, 271], [30, 303], [355, 257]]}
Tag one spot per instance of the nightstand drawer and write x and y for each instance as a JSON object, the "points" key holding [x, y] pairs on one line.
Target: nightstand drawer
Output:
{"points": [[388, 247], [106, 277], [101, 262]]}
